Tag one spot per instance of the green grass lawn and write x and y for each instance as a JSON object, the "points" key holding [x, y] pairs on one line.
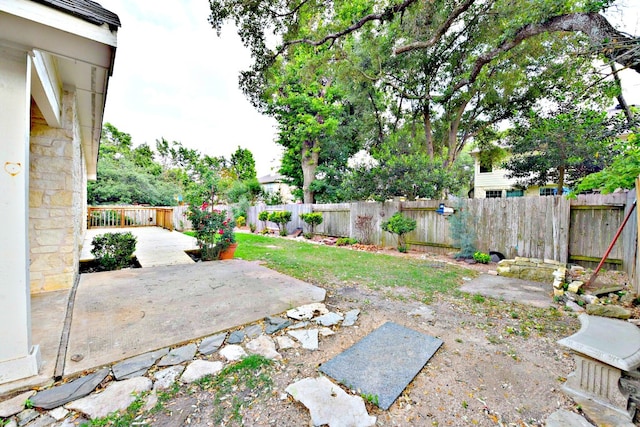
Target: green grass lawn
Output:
{"points": [[328, 265]]}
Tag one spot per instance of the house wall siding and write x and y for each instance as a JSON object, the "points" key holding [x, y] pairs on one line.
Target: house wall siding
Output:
{"points": [[56, 199]]}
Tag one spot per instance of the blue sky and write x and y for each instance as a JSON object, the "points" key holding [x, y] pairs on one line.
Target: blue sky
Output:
{"points": [[174, 78]]}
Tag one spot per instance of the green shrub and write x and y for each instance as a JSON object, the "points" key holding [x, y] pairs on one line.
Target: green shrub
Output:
{"points": [[345, 241], [481, 257], [263, 216], [400, 225], [241, 221], [308, 235], [114, 250], [281, 218], [312, 219], [252, 227]]}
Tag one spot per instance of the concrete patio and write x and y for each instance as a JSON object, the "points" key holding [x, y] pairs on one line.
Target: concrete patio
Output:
{"points": [[119, 314]]}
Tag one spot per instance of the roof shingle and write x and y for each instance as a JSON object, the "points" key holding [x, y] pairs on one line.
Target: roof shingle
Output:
{"points": [[87, 10]]}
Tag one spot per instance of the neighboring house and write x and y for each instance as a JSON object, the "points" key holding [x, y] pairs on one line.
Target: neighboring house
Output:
{"points": [[273, 184], [56, 57], [490, 180]]}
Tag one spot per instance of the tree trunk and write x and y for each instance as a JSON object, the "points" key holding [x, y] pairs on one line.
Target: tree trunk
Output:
{"points": [[426, 116], [561, 173], [309, 165]]}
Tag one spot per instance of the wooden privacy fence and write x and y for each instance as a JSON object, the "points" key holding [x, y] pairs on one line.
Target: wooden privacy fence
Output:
{"points": [[551, 227], [129, 216]]}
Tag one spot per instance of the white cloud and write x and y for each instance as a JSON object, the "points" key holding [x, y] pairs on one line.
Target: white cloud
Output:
{"points": [[174, 78]]}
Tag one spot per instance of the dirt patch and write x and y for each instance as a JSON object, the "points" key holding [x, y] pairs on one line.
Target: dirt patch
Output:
{"points": [[499, 364]]}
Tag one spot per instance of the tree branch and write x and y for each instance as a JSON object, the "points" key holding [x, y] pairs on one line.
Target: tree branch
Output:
{"points": [[614, 44], [386, 14], [439, 32]]}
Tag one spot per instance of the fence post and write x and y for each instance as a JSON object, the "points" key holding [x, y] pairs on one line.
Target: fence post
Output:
{"points": [[636, 279]]}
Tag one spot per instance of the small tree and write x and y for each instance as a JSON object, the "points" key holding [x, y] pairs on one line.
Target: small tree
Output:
{"points": [[312, 219], [462, 232], [113, 251], [281, 218], [400, 225], [264, 217]]}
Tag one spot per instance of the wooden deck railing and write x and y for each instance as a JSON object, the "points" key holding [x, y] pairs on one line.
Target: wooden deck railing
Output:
{"points": [[129, 216]]}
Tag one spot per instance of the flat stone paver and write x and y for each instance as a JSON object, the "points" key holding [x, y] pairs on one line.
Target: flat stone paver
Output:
{"points": [[384, 362], [526, 292], [116, 397], [121, 314], [329, 404], [138, 365], [76, 389]]}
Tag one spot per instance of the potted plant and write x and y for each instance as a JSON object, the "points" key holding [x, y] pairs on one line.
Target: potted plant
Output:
{"points": [[213, 231]]}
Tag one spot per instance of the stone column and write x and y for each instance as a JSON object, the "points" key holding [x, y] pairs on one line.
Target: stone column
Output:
{"points": [[18, 358]]}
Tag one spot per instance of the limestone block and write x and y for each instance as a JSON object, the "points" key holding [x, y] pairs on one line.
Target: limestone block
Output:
{"points": [[505, 263], [558, 284], [552, 262], [558, 292], [503, 270], [62, 198], [526, 264], [35, 198], [613, 311], [49, 237], [575, 286], [521, 259], [536, 274]]}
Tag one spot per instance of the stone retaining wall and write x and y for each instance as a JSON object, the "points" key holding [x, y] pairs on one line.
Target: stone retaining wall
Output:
{"points": [[57, 185], [534, 269]]}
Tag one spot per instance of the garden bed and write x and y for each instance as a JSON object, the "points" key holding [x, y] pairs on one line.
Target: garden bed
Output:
{"points": [[94, 267]]}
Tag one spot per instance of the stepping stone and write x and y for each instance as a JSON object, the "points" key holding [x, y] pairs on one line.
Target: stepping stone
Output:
{"points": [[212, 344], [307, 337], [200, 369], [275, 324], [59, 413], [138, 365], [329, 404], [236, 337], [285, 342], [384, 362], [350, 317], [116, 397], [325, 332], [178, 355], [12, 423], [58, 396], [253, 331], [264, 346], [563, 418], [299, 325], [232, 352], [14, 405], [425, 313], [329, 319], [166, 377], [27, 416], [42, 421], [307, 312]]}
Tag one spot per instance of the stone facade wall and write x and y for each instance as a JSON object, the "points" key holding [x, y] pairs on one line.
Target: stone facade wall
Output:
{"points": [[534, 269], [57, 194]]}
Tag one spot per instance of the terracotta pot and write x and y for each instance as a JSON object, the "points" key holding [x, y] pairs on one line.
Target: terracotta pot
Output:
{"points": [[228, 253]]}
